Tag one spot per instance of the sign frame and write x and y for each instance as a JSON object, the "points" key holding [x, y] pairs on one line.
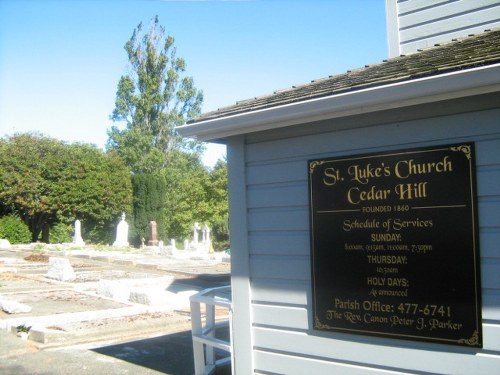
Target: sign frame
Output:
{"points": [[395, 244]]}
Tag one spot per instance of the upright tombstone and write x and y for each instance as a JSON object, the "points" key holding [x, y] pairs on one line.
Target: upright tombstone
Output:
{"points": [[206, 239], [60, 269], [196, 227], [121, 233], [77, 238], [153, 234]]}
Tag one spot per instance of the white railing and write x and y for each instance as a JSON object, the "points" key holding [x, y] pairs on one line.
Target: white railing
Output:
{"points": [[205, 339]]}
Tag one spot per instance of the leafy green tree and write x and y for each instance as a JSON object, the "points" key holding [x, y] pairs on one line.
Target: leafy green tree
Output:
{"points": [[218, 205], [96, 189], [197, 195], [186, 200], [46, 181], [151, 100]]}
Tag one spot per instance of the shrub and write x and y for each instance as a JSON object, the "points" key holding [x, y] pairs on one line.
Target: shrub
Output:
{"points": [[12, 228], [61, 233]]}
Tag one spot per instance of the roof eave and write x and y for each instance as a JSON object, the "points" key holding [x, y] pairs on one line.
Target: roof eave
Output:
{"points": [[446, 86]]}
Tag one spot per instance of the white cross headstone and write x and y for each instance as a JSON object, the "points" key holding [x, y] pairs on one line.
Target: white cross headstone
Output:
{"points": [[77, 238]]}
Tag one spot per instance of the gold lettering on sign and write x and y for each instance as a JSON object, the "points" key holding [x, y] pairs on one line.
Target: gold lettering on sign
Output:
{"points": [[406, 168], [379, 227]]}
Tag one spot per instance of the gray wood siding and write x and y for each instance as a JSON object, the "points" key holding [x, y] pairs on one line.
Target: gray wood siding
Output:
{"points": [[279, 252], [423, 23]]}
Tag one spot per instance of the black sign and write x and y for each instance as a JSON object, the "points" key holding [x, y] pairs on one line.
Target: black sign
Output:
{"points": [[394, 244]]}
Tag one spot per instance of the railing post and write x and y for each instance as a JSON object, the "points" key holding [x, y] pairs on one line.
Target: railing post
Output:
{"points": [[205, 340], [210, 326], [196, 328]]}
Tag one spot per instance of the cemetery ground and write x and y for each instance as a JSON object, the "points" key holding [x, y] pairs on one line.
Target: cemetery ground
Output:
{"points": [[122, 313]]}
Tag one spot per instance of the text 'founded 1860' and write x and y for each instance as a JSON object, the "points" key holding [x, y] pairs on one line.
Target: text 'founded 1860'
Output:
{"points": [[394, 245]]}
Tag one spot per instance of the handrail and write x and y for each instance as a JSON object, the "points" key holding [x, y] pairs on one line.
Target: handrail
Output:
{"points": [[204, 340]]}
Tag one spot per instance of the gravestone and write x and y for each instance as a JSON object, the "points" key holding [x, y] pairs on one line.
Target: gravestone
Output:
{"points": [[60, 269], [77, 238], [121, 233], [196, 227], [202, 246], [14, 307], [153, 234], [4, 244]]}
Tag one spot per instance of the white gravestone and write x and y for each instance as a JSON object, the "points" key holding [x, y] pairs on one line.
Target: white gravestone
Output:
{"points": [[4, 244], [206, 239], [196, 227], [77, 238], [204, 245], [60, 269], [121, 233], [14, 307]]}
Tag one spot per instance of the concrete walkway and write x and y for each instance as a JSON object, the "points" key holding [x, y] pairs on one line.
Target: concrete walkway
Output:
{"points": [[165, 354]]}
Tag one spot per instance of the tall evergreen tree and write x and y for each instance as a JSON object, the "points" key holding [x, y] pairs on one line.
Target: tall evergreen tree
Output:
{"points": [[150, 192]]}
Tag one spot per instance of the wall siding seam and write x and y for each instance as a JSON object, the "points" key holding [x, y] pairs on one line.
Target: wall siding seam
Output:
{"points": [[266, 257], [281, 278], [296, 182], [277, 232], [368, 344], [273, 161], [262, 281], [449, 16], [281, 253], [284, 208], [368, 150], [488, 168], [258, 303], [333, 361], [280, 328], [362, 150], [491, 291], [298, 207], [495, 322], [425, 7], [276, 185], [448, 31], [488, 199], [490, 230]]}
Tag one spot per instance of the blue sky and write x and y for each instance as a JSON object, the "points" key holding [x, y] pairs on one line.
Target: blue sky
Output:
{"points": [[60, 60]]}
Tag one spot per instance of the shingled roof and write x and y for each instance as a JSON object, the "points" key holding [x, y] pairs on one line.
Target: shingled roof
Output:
{"points": [[475, 51]]}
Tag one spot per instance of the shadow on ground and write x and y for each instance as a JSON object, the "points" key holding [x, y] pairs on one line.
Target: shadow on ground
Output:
{"points": [[170, 354]]}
